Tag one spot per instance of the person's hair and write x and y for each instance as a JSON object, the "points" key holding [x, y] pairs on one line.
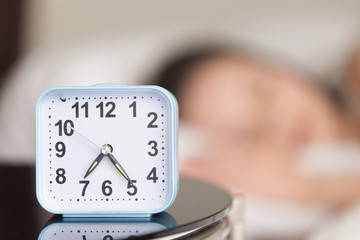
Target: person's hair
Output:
{"points": [[174, 73]]}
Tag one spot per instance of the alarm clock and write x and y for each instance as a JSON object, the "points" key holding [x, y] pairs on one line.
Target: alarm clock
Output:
{"points": [[106, 150]]}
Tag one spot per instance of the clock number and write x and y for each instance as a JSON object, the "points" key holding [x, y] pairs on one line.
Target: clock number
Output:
{"points": [[109, 114], [106, 189], [133, 105], [154, 145], [85, 105], [152, 175], [86, 182], [60, 147], [131, 185], [151, 124], [101, 106], [68, 131], [60, 178], [76, 106]]}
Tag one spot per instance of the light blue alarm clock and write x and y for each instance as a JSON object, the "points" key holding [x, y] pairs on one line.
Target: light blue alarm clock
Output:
{"points": [[106, 150]]}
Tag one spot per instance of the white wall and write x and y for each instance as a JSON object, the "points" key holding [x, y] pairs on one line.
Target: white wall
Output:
{"points": [[56, 21], [300, 30]]}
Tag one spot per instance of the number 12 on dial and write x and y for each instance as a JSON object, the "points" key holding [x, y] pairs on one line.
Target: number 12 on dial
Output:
{"points": [[106, 150]]}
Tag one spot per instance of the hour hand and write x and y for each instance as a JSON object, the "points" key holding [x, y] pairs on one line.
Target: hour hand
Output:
{"points": [[94, 164], [119, 168]]}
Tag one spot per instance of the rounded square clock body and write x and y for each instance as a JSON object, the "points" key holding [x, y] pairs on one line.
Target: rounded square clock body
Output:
{"points": [[106, 150]]}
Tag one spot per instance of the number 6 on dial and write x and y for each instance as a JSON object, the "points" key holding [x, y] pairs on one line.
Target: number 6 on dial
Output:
{"points": [[106, 150]]}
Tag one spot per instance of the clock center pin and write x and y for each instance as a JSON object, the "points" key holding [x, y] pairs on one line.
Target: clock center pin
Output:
{"points": [[106, 149]]}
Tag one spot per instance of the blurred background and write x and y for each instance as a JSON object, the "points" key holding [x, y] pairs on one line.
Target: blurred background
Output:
{"points": [[268, 93]]}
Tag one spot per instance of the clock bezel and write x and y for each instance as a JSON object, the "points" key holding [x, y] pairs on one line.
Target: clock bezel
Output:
{"points": [[173, 152]]}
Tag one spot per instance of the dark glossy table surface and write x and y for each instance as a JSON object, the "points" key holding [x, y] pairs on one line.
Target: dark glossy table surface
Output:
{"points": [[197, 205]]}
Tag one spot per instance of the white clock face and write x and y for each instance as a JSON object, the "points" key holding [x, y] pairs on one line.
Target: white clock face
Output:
{"points": [[106, 150]]}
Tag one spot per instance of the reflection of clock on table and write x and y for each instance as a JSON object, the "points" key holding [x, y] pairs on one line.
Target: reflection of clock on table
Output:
{"points": [[104, 228]]}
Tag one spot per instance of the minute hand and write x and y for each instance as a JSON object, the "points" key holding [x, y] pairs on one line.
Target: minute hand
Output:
{"points": [[119, 168]]}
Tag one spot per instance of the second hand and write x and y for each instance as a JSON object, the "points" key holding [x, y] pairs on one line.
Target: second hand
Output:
{"points": [[82, 135]]}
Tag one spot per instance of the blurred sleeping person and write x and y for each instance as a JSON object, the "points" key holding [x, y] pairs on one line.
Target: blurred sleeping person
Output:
{"points": [[264, 129]]}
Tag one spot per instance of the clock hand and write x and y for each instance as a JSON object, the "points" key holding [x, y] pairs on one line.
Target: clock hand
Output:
{"points": [[105, 150], [85, 137], [119, 168], [94, 164]]}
